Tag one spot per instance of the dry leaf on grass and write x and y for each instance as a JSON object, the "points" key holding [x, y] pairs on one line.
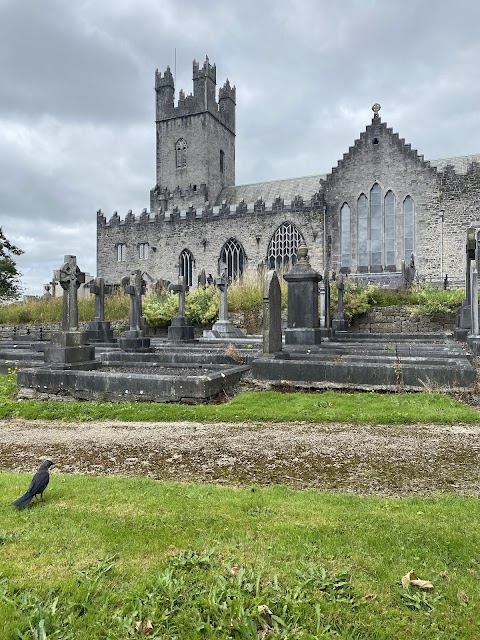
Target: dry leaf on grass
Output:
{"points": [[145, 626], [234, 570], [411, 579]]}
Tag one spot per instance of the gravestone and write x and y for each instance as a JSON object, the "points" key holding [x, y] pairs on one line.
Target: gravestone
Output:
{"points": [[99, 330], [340, 321], [68, 348], [223, 328], [463, 323], [202, 279], [134, 338], [180, 328], [272, 314], [303, 325], [325, 317]]}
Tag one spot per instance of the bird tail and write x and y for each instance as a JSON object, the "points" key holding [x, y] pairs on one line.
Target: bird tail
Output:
{"points": [[23, 500]]}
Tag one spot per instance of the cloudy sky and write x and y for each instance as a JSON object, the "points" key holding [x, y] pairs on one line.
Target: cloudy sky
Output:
{"points": [[77, 126]]}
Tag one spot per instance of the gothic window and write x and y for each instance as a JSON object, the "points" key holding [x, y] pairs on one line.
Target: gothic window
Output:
{"points": [[143, 251], [222, 162], [362, 219], [121, 252], [376, 225], [282, 249], [233, 256], [186, 266], [345, 235], [390, 229], [407, 229], [181, 153]]}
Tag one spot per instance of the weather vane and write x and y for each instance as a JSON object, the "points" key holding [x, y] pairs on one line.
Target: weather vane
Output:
{"points": [[376, 108]]}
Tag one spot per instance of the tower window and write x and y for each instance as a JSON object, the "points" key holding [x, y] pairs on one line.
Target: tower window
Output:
{"points": [[121, 252], [186, 266], [181, 153], [143, 251], [222, 162]]}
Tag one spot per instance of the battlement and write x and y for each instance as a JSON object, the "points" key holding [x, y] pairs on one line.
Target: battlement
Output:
{"points": [[190, 212], [203, 99], [207, 71]]}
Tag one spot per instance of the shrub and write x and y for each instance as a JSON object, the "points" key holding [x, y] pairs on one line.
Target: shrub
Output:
{"points": [[202, 304]]}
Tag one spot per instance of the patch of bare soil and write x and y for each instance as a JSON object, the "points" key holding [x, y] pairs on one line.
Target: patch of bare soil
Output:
{"points": [[369, 460]]}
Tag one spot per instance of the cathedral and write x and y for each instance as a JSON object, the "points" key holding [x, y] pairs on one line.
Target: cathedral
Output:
{"points": [[381, 203]]}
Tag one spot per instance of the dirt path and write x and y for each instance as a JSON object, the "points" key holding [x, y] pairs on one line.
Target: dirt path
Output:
{"points": [[370, 460]]}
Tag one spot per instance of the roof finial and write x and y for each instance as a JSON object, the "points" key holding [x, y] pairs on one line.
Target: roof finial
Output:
{"points": [[376, 108]]}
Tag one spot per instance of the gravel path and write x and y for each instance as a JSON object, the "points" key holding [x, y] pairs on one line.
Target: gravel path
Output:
{"points": [[369, 460]]}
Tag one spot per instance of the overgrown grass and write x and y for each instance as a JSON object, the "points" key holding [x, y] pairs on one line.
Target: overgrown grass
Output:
{"points": [[105, 555], [256, 406], [50, 310]]}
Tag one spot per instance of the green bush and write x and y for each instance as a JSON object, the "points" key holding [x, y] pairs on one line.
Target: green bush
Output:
{"points": [[202, 304], [160, 309]]}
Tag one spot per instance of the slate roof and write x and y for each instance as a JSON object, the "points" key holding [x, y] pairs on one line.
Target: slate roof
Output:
{"points": [[309, 185]]}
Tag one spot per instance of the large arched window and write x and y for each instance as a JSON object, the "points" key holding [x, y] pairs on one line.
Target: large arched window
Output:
{"points": [[186, 266], [282, 248], [234, 258], [390, 229], [345, 236], [181, 153], [376, 226], [362, 219], [408, 226]]}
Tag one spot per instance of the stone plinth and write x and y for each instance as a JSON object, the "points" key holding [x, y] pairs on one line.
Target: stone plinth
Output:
{"points": [[303, 326], [134, 340], [70, 350], [99, 331], [181, 329]]}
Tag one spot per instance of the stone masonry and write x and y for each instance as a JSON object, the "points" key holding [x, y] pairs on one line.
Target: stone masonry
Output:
{"points": [[196, 208]]}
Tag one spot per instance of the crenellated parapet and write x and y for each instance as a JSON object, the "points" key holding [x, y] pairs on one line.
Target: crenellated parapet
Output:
{"points": [[201, 100], [190, 212]]}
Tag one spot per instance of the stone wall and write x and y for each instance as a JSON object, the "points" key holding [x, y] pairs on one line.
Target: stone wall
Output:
{"points": [[401, 320]]}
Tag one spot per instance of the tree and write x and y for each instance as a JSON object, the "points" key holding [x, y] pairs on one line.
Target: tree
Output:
{"points": [[9, 275]]}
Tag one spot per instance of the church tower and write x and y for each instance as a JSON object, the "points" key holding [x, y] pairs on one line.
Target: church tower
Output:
{"points": [[195, 143]]}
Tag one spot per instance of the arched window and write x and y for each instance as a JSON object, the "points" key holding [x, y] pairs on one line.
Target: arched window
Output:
{"points": [[186, 266], [362, 219], [222, 161], [376, 226], [408, 225], [345, 236], [390, 229], [181, 153], [121, 252], [282, 248], [233, 256]]}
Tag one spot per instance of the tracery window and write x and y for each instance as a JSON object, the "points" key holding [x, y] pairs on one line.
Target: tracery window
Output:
{"points": [[233, 256], [186, 266], [376, 226], [143, 251], [408, 244], [282, 249], [390, 229], [362, 223], [121, 252], [181, 153], [345, 236]]}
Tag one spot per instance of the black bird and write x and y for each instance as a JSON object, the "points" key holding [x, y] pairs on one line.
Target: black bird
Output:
{"points": [[37, 486]]}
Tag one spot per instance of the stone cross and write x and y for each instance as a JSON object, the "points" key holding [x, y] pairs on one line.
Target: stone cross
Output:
{"points": [[70, 278], [328, 319], [135, 289], [340, 289], [474, 298], [100, 290], [222, 284]]}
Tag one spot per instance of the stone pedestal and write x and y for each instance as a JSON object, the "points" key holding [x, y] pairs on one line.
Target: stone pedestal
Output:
{"points": [[339, 322], [70, 350], [223, 329], [303, 325], [134, 340], [99, 331], [181, 329]]}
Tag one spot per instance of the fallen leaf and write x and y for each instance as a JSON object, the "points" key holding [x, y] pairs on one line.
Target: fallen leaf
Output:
{"points": [[370, 596], [411, 579], [462, 596], [234, 570]]}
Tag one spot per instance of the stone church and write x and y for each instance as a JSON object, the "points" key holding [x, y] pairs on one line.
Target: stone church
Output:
{"points": [[380, 203]]}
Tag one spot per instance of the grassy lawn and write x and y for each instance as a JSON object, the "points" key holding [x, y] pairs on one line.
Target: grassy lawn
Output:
{"points": [[261, 406], [103, 554]]}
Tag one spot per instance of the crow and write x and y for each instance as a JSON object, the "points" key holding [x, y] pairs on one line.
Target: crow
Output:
{"points": [[37, 486]]}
